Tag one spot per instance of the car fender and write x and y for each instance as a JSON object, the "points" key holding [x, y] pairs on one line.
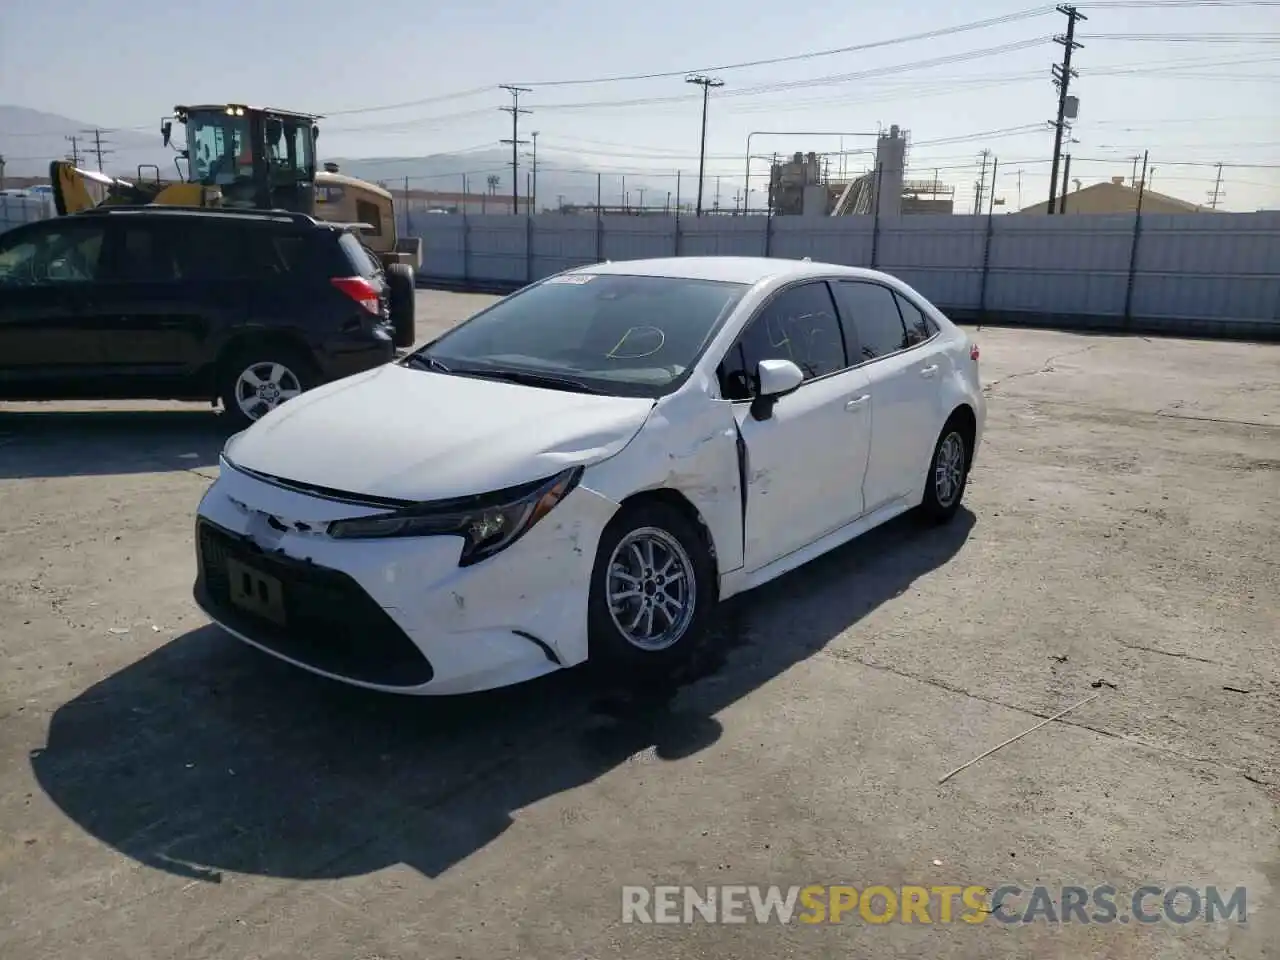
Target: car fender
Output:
{"points": [[689, 445]]}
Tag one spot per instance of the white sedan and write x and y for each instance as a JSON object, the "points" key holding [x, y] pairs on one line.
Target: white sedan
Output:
{"points": [[585, 469]]}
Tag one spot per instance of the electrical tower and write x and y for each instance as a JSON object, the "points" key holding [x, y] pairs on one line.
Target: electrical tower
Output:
{"points": [[1216, 195], [75, 149], [1062, 76], [515, 141], [706, 83], [99, 148]]}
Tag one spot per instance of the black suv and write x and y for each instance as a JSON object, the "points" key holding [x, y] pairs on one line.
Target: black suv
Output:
{"points": [[175, 303]]}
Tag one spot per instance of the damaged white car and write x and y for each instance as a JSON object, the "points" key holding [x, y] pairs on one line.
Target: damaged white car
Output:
{"points": [[585, 469]]}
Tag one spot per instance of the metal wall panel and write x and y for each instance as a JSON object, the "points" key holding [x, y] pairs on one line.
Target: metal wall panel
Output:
{"points": [[1217, 268]]}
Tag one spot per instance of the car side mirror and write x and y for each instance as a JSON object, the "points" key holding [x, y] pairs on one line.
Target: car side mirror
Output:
{"points": [[776, 378]]}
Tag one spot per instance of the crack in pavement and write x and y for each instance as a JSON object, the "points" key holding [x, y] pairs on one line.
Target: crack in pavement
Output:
{"points": [[846, 657], [1045, 367]]}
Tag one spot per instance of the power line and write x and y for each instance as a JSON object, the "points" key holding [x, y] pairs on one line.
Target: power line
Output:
{"points": [[810, 55], [515, 141]]}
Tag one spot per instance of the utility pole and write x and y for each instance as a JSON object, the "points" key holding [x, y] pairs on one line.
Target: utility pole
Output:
{"points": [[706, 83], [515, 140], [1, 171], [1066, 178], [979, 188], [533, 192], [1133, 174], [1019, 189], [1062, 79], [715, 204], [1215, 194], [99, 146], [641, 190], [75, 150]]}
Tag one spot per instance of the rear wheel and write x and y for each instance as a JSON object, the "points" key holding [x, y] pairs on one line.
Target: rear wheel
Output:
{"points": [[256, 380], [653, 590], [403, 320], [948, 474]]}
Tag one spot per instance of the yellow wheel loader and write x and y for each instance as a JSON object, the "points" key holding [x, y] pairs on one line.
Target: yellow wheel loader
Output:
{"points": [[258, 158]]}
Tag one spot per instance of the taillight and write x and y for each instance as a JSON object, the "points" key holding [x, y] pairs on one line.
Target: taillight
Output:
{"points": [[973, 352], [361, 291]]}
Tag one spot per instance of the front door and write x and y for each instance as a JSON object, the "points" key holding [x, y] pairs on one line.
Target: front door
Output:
{"points": [[50, 338], [806, 459]]}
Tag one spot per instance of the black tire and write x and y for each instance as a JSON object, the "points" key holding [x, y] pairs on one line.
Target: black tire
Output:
{"points": [[400, 280], [611, 651], [945, 485], [300, 373]]}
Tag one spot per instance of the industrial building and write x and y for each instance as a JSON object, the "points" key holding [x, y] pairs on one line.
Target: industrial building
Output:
{"points": [[802, 186], [1116, 196]]}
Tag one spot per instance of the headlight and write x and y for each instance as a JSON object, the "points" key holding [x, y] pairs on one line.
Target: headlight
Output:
{"points": [[486, 523]]}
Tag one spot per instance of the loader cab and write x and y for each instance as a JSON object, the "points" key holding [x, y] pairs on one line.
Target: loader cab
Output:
{"points": [[256, 157]]}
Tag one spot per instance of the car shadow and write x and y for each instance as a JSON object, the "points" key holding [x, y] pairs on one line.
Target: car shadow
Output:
{"points": [[75, 443], [208, 756]]}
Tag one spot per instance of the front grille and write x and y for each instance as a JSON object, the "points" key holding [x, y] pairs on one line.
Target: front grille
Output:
{"points": [[330, 623]]}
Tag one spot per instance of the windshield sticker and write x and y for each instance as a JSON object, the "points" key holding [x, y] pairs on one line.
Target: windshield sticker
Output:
{"points": [[633, 343], [577, 279]]}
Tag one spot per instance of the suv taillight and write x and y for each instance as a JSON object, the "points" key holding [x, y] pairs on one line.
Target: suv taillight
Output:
{"points": [[361, 291]]}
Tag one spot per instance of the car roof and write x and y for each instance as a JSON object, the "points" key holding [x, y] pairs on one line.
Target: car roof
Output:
{"points": [[746, 270]]}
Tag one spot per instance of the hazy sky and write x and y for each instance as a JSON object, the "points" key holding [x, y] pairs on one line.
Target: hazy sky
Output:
{"points": [[1192, 102]]}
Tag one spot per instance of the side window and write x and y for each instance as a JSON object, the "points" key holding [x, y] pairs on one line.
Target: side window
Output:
{"points": [[207, 251], [63, 253], [799, 325], [919, 327], [143, 256], [369, 213], [872, 311]]}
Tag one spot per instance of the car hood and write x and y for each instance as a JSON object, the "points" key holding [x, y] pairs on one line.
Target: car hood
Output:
{"points": [[409, 434]]}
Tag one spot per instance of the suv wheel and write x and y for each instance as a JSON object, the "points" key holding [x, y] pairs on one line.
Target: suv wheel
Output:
{"points": [[401, 303], [256, 380]]}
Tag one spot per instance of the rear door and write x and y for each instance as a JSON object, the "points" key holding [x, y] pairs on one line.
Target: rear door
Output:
{"points": [[904, 390], [155, 315], [50, 322]]}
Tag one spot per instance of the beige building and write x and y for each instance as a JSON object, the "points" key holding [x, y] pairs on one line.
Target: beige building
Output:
{"points": [[1116, 196]]}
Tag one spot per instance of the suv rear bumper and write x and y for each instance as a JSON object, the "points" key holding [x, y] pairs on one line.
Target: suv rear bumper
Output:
{"points": [[342, 358]]}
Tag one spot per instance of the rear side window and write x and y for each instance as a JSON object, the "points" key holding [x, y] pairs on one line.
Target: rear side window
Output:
{"points": [[358, 257], [919, 327], [871, 310]]}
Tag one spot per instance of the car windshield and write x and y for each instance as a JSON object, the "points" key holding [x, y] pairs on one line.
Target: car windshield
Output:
{"points": [[600, 333]]}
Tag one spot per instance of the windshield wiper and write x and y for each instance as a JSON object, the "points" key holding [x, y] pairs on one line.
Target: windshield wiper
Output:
{"points": [[529, 379], [426, 363]]}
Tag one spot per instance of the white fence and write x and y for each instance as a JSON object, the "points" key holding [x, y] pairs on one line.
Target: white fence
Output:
{"points": [[1215, 274], [19, 210]]}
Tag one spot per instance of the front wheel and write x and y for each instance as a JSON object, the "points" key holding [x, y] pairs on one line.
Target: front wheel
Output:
{"points": [[948, 475], [653, 590]]}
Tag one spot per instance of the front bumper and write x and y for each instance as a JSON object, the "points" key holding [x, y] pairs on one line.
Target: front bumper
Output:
{"points": [[398, 614]]}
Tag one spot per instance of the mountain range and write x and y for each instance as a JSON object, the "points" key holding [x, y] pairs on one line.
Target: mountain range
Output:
{"points": [[30, 139]]}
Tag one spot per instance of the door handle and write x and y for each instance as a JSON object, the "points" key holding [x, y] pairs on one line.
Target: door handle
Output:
{"points": [[929, 371], [857, 402]]}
